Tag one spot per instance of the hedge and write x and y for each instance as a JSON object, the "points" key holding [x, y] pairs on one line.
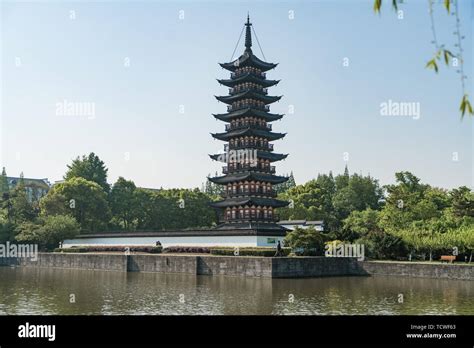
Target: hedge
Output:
{"points": [[187, 249], [109, 248], [248, 251]]}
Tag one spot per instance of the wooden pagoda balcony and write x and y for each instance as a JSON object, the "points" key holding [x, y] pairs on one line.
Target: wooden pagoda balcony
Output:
{"points": [[231, 108], [229, 127], [245, 193], [250, 218], [237, 90], [246, 166], [268, 147]]}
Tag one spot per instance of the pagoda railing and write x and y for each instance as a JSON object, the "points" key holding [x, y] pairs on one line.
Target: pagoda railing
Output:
{"points": [[267, 193], [247, 105], [267, 147], [237, 90], [240, 73], [247, 166], [229, 127], [254, 218]]}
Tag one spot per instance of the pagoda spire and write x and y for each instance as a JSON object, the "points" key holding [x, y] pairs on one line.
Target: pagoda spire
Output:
{"points": [[248, 34]]}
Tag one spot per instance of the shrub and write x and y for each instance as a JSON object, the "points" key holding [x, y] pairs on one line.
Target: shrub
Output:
{"points": [[248, 251], [306, 241], [112, 248], [382, 246], [187, 249], [48, 232]]}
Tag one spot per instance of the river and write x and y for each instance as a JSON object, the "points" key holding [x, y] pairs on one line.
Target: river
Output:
{"points": [[71, 292]]}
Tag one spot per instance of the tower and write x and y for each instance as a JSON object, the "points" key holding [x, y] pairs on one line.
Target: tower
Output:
{"points": [[249, 197]]}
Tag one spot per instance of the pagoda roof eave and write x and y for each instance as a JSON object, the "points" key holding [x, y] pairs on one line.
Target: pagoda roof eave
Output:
{"points": [[248, 59], [249, 132], [273, 179], [229, 99], [248, 112], [248, 78]]}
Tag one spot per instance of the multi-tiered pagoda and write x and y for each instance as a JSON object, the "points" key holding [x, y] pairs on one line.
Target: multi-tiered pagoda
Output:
{"points": [[249, 177]]}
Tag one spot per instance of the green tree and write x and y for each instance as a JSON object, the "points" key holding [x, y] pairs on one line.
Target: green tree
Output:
{"points": [[409, 200], [283, 187], [87, 202], [360, 224], [462, 202], [20, 208], [91, 168], [213, 189], [306, 241], [49, 231], [54, 204], [4, 188], [123, 203]]}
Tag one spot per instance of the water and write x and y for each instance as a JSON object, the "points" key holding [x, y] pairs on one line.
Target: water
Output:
{"points": [[48, 291]]}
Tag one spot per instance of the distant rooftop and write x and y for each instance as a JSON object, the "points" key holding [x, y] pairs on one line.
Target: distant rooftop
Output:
{"points": [[301, 222]]}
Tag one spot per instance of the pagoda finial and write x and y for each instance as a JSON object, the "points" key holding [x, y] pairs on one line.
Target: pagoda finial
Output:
{"points": [[248, 33]]}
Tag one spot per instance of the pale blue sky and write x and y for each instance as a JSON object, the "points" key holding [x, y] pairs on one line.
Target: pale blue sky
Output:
{"points": [[140, 133]]}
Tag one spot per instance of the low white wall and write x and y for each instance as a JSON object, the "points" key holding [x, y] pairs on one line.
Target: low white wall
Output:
{"points": [[243, 241]]}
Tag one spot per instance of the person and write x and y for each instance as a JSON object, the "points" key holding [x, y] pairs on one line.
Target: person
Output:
{"points": [[278, 252]]}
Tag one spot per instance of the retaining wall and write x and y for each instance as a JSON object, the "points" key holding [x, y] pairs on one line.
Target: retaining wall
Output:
{"points": [[407, 269], [265, 267]]}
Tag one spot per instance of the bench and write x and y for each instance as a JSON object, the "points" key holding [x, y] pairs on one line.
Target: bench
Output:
{"points": [[447, 258]]}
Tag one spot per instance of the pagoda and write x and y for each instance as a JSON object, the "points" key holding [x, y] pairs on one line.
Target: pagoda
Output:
{"points": [[249, 198]]}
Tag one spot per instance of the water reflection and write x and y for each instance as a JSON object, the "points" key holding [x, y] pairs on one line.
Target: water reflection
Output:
{"points": [[48, 291]]}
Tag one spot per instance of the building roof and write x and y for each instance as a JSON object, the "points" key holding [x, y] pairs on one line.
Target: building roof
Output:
{"points": [[229, 99], [302, 222], [43, 183], [248, 77], [227, 117], [248, 58], [248, 132], [249, 176], [271, 156]]}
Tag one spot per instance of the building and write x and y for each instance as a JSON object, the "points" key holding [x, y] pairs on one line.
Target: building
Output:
{"points": [[292, 224], [247, 210], [35, 188], [249, 197]]}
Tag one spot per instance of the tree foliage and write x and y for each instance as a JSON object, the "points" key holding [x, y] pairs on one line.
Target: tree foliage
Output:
{"points": [[86, 200], [91, 168]]}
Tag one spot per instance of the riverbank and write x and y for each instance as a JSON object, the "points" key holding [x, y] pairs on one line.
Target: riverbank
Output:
{"points": [[246, 266]]}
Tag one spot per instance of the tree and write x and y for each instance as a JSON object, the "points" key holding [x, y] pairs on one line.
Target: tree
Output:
{"points": [[409, 200], [4, 188], [7, 232], [123, 203], [283, 187], [86, 200], [355, 192], [21, 209], [213, 189], [462, 202], [90, 168], [360, 224], [306, 241], [381, 245], [54, 204], [49, 231]]}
